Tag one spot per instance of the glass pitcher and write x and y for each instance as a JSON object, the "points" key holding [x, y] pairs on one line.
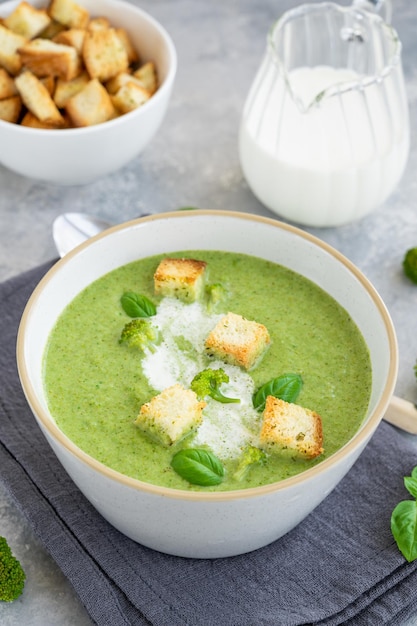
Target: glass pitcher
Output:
{"points": [[324, 135]]}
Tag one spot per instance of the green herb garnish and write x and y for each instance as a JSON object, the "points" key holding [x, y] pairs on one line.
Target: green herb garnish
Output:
{"points": [[136, 305], [404, 520], [198, 466], [286, 387], [207, 383]]}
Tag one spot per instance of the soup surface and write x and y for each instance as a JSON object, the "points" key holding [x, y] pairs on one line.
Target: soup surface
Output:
{"points": [[95, 386]]}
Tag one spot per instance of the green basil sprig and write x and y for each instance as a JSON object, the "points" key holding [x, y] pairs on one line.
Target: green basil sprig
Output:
{"points": [[404, 520], [136, 305], [286, 387], [198, 466]]}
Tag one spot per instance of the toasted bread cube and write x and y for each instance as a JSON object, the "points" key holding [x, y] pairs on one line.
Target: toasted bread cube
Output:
{"points": [[52, 30], [31, 121], [92, 105], [69, 13], [98, 23], [7, 86], [72, 37], [171, 415], [66, 89], [37, 99], [104, 55], [180, 278], [147, 76], [132, 55], [113, 85], [49, 83], [10, 109], [288, 426], [26, 20], [129, 97], [9, 45], [237, 341], [47, 58]]}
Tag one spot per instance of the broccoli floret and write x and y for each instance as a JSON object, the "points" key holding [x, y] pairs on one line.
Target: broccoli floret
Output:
{"points": [[214, 293], [139, 333], [12, 576], [410, 264], [207, 383], [250, 456]]}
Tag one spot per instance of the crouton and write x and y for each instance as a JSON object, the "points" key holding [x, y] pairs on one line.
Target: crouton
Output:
{"points": [[49, 83], [238, 341], [7, 86], [52, 30], [104, 55], [129, 97], [92, 105], [113, 85], [27, 21], [147, 76], [9, 45], [47, 58], [180, 278], [10, 109], [66, 89], [72, 37], [69, 13], [31, 121], [288, 426], [171, 415], [98, 23], [132, 55], [37, 99]]}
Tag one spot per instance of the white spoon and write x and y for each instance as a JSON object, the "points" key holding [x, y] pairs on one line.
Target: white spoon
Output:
{"points": [[71, 229]]}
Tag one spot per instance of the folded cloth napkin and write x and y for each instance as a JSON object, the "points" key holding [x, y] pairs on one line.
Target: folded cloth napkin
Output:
{"points": [[339, 566]]}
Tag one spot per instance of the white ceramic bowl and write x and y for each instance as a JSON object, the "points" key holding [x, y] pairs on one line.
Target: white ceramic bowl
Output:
{"points": [[82, 155], [181, 522]]}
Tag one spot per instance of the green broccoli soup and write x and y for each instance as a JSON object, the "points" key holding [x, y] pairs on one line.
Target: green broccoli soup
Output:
{"points": [[125, 373]]}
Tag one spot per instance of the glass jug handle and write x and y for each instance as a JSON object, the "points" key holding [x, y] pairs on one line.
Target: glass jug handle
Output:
{"points": [[382, 7]]}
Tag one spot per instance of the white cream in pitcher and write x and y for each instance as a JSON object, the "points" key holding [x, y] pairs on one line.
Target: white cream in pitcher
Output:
{"points": [[318, 159]]}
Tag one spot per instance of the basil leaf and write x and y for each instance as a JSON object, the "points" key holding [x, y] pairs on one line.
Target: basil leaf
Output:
{"points": [[198, 466], [404, 528], [286, 387], [411, 485], [136, 305]]}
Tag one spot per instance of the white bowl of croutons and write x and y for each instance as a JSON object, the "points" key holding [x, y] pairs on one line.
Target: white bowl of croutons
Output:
{"points": [[84, 86], [213, 379]]}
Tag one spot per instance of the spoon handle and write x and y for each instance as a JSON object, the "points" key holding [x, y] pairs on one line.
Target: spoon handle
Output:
{"points": [[403, 414]]}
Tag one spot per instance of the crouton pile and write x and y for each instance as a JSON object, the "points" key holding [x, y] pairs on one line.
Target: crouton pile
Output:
{"points": [[177, 412], [62, 68]]}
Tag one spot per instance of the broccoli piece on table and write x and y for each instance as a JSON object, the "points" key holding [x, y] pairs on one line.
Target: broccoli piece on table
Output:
{"points": [[251, 455], [410, 264], [207, 383], [139, 333], [12, 576]]}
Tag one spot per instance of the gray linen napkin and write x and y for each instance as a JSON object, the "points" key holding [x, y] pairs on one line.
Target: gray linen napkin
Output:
{"points": [[339, 566]]}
